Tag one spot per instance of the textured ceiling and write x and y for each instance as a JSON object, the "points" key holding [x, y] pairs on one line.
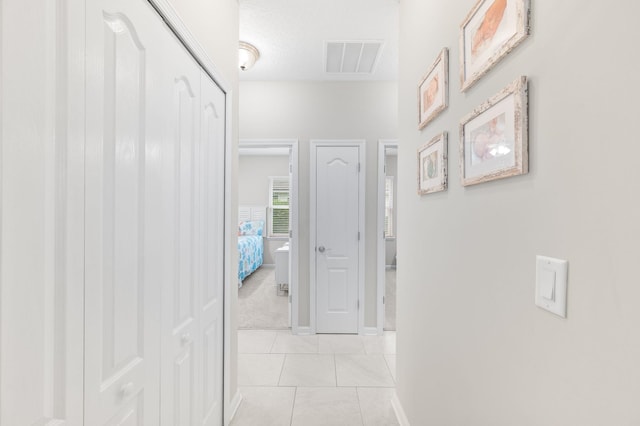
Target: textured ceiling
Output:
{"points": [[291, 36]]}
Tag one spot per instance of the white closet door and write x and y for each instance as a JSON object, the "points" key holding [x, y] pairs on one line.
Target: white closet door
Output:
{"points": [[41, 271], [181, 342], [121, 199], [212, 231]]}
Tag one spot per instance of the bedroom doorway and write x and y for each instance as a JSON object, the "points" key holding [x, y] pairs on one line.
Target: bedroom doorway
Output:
{"points": [[268, 188], [387, 214]]}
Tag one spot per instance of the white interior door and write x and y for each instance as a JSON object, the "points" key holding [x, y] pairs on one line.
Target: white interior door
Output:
{"points": [[212, 111], [41, 215], [122, 300], [337, 238], [180, 323]]}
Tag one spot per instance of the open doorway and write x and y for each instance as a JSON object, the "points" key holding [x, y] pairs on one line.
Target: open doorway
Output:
{"points": [[387, 226], [268, 211]]}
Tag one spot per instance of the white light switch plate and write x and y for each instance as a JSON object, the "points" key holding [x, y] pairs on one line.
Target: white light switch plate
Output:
{"points": [[551, 284]]}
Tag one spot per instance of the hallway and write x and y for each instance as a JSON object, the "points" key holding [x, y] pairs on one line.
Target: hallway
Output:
{"points": [[315, 380]]}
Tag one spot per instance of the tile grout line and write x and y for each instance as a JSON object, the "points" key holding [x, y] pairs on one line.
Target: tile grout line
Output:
{"points": [[273, 343], [386, 362], [335, 369], [360, 405], [284, 360], [293, 406]]}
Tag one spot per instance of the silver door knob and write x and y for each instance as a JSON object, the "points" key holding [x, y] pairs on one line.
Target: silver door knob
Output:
{"points": [[321, 249]]}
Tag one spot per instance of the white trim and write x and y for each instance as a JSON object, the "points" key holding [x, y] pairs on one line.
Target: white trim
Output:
{"points": [[1, 186], [399, 411], [234, 405], [370, 331], [230, 273], [362, 189], [383, 144], [305, 331], [294, 211], [73, 92], [177, 25]]}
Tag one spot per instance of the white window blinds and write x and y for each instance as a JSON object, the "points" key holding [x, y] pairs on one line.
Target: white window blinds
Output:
{"points": [[279, 206]]}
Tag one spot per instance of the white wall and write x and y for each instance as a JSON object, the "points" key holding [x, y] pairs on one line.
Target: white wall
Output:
{"points": [[253, 176], [314, 110], [473, 349], [253, 189]]}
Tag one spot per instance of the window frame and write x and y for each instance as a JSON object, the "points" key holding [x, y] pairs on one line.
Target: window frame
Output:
{"points": [[389, 208], [273, 208]]}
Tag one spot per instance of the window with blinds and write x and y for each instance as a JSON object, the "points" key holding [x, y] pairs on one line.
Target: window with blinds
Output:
{"points": [[388, 207], [279, 206]]}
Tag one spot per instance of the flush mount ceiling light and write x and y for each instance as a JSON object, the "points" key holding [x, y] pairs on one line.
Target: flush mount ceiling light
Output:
{"points": [[247, 56]]}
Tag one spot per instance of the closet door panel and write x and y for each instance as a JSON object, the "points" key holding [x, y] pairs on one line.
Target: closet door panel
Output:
{"points": [[121, 358], [181, 346], [40, 294], [212, 220]]}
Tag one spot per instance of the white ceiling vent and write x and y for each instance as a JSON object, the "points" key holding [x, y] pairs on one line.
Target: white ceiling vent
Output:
{"points": [[352, 57]]}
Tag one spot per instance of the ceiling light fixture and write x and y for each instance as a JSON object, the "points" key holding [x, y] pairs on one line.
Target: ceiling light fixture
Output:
{"points": [[247, 56]]}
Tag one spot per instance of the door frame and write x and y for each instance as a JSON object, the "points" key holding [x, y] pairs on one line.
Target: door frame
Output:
{"points": [[383, 144], [294, 238], [314, 144], [167, 12]]}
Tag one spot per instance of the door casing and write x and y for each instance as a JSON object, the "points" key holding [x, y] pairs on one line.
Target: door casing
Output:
{"points": [[361, 144], [294, 245], [381, 263]]}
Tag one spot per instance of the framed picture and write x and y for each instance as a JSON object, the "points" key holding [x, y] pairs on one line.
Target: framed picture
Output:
{"points": [[493, 138], [433, 90], [432, 165], [492, 29]]}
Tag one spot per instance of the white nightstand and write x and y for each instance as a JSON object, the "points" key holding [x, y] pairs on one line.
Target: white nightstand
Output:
{"points": [[282, 269]]}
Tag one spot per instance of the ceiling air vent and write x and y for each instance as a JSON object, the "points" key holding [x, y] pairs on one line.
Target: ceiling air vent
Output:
{"points": [[352, 57]]}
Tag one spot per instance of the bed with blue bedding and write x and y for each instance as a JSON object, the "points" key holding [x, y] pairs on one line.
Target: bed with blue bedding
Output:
{"points": [[250, 248]]}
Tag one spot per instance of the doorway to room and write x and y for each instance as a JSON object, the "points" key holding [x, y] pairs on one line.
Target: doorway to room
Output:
{"points": [[268, 219], [387, 226]]}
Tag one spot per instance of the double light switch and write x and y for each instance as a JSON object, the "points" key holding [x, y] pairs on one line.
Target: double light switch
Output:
{"points": [[551, 285]]}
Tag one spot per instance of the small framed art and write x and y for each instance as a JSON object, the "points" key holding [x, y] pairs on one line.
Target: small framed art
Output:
{"points": [[493, 138], [492, 29], [433, 90], [432, 165]]}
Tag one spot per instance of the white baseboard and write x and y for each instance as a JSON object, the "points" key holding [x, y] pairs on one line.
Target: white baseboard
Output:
{"points": [[400, 414], [303, 331], [370, 331], [234, 405]]}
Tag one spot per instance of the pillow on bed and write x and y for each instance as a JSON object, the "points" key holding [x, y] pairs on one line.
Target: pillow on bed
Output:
{"points": [[251, 227]]}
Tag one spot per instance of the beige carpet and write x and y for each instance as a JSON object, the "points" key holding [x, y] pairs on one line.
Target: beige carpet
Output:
{"points": [[390, 300], [260, 307]]}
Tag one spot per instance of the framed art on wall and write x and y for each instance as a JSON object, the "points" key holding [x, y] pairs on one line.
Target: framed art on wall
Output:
{"points": [[493, 138], [433, 90], [432, 165], [492, 29]]}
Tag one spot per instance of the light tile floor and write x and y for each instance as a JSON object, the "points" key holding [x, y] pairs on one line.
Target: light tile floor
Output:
{"points": [[327, 380]]}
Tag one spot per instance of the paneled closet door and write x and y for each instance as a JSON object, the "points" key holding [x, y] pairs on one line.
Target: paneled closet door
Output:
{"points": [[122, 198], [211, 158], [181, 340]]}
